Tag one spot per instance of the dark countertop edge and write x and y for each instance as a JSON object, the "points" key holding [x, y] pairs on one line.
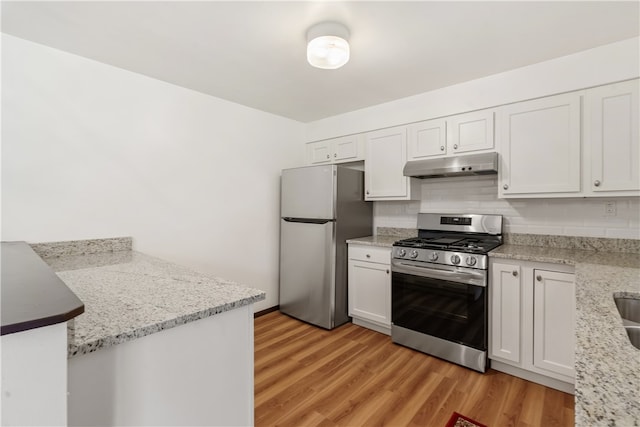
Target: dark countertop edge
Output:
{"points": [[41, 322], [33, 296]]}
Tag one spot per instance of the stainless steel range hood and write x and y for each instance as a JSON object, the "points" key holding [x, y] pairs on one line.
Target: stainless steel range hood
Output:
{"points": [[470, 164]]}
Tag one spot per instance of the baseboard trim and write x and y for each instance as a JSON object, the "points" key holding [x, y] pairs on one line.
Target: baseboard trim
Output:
{"points": [[266, 311], [533, 377]]}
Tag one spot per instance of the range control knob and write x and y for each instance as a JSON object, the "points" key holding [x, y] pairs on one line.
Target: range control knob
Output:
{"points": [[414, 254], [471, 260], [401, 252], [455, 259], [433, 256]]}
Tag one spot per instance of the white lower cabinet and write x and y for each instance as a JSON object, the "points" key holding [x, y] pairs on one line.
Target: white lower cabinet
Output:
{"points": [[532, 321], [370, 287]]}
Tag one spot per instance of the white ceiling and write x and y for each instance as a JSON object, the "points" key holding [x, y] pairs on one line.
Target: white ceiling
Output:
{"points": [[253, 53]]}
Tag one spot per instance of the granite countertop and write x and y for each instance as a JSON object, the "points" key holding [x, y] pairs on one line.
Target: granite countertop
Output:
{"points": [[381, 241], [128, 295], [607, 365], [385, 237]]}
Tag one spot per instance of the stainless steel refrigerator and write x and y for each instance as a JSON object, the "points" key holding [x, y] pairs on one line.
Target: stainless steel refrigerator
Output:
{"points": [[320, 208]]}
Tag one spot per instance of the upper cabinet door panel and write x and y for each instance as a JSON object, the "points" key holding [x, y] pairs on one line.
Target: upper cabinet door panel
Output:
{"points": [[345, 148], [540, 146], [318, 152], [470, 132], [614, 137], [427, 139], [336, 150], [386, 156]]}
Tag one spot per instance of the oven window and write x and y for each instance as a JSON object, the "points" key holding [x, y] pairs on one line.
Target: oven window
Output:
{"points": [[448, 310]]}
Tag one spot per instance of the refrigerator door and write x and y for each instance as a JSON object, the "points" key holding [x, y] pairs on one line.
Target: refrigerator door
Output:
{"points": [[308, 192], [307, 271]]}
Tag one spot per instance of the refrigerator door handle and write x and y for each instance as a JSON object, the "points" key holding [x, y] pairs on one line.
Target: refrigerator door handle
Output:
{"points": [[307, 220]]}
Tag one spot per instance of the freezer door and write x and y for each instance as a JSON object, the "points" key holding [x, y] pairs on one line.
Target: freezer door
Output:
{"points": [[308, 192], [307, 271]]}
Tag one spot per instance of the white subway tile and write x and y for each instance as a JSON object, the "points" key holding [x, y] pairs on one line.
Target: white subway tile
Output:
{"points": [[623, 233], [585, 231]]}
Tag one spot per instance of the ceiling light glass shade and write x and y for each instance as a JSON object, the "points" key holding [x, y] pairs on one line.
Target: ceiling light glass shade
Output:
{"points": [[327, 45]]}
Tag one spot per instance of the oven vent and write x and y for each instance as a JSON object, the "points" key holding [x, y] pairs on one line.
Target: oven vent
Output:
{"points": [[465, 165]]}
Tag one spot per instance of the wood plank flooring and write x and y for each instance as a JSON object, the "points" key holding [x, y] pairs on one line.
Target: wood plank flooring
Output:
{"points": [[352, 376]]}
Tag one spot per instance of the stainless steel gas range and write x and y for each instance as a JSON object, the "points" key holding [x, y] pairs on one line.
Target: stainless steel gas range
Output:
{"points": [[439, 287]]}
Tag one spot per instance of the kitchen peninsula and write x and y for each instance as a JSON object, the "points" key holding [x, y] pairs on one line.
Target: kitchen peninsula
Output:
{"points": [[158, 344]]}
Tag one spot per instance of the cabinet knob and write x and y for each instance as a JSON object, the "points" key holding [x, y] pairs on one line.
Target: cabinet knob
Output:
{"points": [[328, 156], [515, 273], [367, 191], [442, 148], [368, 256], [539, 278], [335, 154], [455, 146], [387, 271], [505, 187], [596, 183]]}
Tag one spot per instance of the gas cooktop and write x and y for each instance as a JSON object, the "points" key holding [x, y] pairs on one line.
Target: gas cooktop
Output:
{"points": [[475, 244]]}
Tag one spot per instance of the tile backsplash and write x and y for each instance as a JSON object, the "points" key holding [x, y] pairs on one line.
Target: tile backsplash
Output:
{"points": [[566, 217]]}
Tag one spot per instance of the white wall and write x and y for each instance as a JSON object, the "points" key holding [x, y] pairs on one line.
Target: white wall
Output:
{"points": [[94, 151], [577, 217], [569, 217]]}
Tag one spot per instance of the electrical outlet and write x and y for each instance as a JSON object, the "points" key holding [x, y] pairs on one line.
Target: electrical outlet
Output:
{"points": [[610, 209]]}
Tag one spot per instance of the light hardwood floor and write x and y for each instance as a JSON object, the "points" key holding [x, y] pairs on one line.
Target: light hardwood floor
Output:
{"points": [[352, 376]]}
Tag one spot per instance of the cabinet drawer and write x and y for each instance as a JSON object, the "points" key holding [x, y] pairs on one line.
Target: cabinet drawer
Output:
{"points": [[370, 253]]}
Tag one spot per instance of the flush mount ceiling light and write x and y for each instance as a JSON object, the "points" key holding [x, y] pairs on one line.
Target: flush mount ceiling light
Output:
{"points": [[328, 45]]}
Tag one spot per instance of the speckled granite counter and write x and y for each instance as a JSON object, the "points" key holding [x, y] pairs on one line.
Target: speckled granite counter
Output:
{"points": [[128, 295], [607, 365], [382, 241], [385, 237]]}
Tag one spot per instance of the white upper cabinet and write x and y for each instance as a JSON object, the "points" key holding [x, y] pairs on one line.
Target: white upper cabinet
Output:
{"points": [[386, 156], [336, 150], [452, 135], [427, 139], [612, 139], [540, 147], [470, 132]]}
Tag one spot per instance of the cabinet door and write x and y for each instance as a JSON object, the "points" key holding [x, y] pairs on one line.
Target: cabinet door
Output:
{"points": [[553, 322], [370, 291], [427, 139], [345, 148], [613, 135], [470, 132], [386, 156], [540, 146], [318, 152], [506, 308]]}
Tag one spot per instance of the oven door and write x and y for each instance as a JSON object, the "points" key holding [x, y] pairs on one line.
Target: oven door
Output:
{"points": [[442, 301]]}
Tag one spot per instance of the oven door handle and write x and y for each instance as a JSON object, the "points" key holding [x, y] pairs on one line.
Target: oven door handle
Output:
{"points": [[466, 277]]}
